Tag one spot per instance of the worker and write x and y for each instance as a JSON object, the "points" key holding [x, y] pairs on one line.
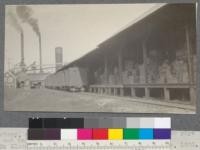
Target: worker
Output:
{"points": [[152, 67], [180, 68], [164, 71]]}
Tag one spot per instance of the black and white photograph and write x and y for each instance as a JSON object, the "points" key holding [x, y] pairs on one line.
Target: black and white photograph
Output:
{"points": [[119, 58]]}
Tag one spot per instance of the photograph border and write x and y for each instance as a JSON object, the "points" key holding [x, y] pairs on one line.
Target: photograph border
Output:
{"points": [[20, 119]]}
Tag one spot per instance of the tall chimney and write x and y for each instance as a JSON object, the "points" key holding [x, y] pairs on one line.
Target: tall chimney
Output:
{"points": [[58, 57], [22, 63], [40, 52]]}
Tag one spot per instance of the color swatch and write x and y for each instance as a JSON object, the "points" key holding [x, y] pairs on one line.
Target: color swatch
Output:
{"points": [[145, 128], [146, 134], [115, 134], [52, 134], [84, 134], [162, 133], [100, 134], [131, 133], [68, 134]]}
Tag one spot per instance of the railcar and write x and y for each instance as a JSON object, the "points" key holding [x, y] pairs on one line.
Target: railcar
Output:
{"points": [[72, 79]]}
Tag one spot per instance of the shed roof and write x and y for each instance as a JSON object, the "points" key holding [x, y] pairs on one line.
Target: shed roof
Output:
{"points": [[161, 15]]}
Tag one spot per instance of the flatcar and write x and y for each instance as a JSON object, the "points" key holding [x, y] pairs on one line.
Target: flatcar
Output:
{"points": [[72, 79]]}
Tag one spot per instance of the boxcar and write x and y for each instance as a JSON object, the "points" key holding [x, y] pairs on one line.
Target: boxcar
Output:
{"points": [[72, 79], [77, 79]]}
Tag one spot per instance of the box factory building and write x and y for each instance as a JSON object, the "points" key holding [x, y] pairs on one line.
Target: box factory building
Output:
{"points": [[154, 57]]}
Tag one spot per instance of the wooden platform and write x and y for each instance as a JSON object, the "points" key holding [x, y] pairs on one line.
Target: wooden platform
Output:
{"points": [[119, 90]]}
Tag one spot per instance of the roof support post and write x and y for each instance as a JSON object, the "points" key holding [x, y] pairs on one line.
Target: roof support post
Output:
{"points": [[189, 56], [144, 52], [120, 66], [106, 68]]}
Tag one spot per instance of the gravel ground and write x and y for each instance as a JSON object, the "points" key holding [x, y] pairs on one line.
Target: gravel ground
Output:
{"points": [[62, 101]]}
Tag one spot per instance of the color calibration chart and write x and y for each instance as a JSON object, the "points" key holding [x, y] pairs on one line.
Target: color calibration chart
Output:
{"points": [[99, 133], [99, 128]]}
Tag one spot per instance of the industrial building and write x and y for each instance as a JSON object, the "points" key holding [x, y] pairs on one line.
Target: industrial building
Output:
{"points": [[154, 57], [10, 79], [25, 80]]}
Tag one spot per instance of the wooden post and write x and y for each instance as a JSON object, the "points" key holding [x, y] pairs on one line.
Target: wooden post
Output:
{"points": [[110, 91], [99, 90], [90, 89], [107, 90], [144, 50], [115, 91], [120, 66], [133, 92], [106, 68], [189, 56], [104, 91], [193, 95], [122, 91], [147, 92], [166, 94]]}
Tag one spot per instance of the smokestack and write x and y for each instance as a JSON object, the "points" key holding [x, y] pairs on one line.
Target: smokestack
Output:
{"points": [[25, 13], [58, 57], [14, 22], [22, 64], [40, 52]]}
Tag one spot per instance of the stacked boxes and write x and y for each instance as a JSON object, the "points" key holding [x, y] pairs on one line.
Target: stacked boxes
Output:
{"points": [[155, 72]]}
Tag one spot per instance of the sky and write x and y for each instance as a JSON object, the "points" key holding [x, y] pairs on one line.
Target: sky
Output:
{"points": [[77, 28]]}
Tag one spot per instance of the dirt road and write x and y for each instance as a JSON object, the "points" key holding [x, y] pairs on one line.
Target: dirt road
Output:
{"points": [[62, 101]]}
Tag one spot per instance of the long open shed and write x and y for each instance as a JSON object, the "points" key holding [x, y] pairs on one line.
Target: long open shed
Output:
{"points": [[145, 58]]}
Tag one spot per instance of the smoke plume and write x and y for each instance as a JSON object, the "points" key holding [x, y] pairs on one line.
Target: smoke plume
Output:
{"points": [[25, 13], [14, 22]]}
